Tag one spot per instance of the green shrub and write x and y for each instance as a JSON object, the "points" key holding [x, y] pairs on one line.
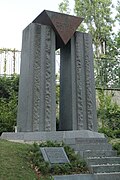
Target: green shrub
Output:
{"points": [[116, 144], [76, 165], [8, 103], [108, 132], [108, 115], [44, 167], [117, 133], [8, 86]]}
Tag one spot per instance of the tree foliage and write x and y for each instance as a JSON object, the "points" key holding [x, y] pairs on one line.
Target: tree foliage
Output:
{"points": [[64, 7], [98, 21], [107, 72], [118, 11]]}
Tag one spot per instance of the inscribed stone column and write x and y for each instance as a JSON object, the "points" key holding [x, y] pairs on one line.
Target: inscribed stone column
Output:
{"points": [[77, 87], [85, 83], [36, 107]]}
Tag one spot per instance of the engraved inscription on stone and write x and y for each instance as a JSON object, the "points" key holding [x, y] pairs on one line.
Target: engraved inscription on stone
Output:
{"points": [[54, 155]]}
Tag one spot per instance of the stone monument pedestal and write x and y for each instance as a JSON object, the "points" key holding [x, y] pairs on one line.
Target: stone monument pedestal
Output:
{"points": [[65, 136]]}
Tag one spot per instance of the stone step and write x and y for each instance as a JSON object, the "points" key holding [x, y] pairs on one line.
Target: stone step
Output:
{"points": [[103, 160], [105, 168], [90, 140], [98, 153], [72, 139], [91, 146], [107, 176], [98, 176], [74, 177]]}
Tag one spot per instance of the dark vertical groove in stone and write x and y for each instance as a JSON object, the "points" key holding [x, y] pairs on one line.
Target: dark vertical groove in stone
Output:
{"points": [[89, 99], [37, 80], [80, 117], [47, 82], [65, 88]]}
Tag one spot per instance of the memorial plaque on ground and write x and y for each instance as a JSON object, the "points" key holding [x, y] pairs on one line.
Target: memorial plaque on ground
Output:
{"points": [[54, 155]]}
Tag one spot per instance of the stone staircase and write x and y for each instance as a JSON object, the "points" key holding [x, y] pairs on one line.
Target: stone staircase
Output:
{"points": [[102, 161]]}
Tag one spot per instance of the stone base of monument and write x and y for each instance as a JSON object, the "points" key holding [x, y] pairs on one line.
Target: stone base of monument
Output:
{"points": [[69, 137], [102, 161]]}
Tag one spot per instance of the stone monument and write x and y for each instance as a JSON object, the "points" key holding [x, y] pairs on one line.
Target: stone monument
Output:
{"points": [[36, 105], [36, 119]]}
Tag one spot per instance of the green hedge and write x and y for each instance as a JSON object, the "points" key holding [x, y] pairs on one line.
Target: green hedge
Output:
{"points": [[8, 103], [76, 165]]}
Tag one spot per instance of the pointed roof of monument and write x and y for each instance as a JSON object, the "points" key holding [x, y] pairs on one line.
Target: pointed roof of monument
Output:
{"points": [[63, 24]]}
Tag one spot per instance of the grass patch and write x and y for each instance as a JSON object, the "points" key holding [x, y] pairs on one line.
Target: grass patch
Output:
{"points": [[24, 162], [13, 162]]}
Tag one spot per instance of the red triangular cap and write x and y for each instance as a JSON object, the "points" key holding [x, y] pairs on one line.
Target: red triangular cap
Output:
{"points": [[63, 24]]}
